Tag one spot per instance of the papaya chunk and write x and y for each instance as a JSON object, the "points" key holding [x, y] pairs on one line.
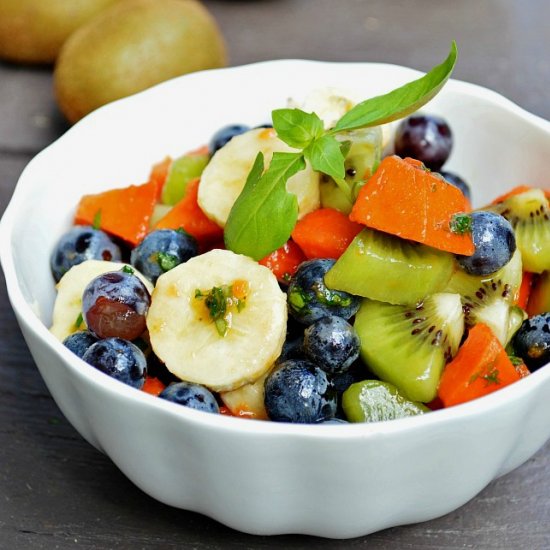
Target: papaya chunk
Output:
{"points": [[325, 233], [481, 366], [188, 215], [404, 199], [124, 213]]}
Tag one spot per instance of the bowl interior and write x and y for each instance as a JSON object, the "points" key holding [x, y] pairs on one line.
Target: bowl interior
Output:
{"points": [[497, 145]]}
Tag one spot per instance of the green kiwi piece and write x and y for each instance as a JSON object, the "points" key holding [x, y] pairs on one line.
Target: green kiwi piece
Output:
{"points": [[529, 215], [375, 401], [362, 158], [364, 153], [490, 299], [408, 346], [332, 196], [383, 267], [181, 172], [515, 320]]}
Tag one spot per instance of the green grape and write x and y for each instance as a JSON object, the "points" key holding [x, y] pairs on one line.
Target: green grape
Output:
{"points": [[183, 170]]}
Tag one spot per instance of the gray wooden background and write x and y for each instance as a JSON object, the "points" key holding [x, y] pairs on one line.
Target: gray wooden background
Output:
{"points": [[56, 491]]}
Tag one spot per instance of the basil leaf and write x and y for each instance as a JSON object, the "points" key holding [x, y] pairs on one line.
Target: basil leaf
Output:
{"points": [[297, 128], [265, 213], [400, 102], [325, 155], [345, 147]]}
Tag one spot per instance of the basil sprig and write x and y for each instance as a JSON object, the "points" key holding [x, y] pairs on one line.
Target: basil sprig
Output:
{"points": [[265, 213]]}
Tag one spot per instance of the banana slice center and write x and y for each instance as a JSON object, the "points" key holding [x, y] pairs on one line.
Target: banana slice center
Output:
{"points": [[218, 319]]}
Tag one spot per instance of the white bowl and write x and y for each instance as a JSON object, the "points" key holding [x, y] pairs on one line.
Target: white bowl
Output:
{"points": [[264, 477]]}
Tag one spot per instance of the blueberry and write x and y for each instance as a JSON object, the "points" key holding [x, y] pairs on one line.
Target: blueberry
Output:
{"points": [[79, 244], [115, 304], [427, 138], [309, 299], [457, 181], [300, 392], [162, 250], [191, 395], [79, 342], [494, 242], [118, 358], [332, 343], [532, 341], [225, 134]]}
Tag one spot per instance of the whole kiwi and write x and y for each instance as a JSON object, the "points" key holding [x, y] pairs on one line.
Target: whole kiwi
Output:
{"points": [[132, 46], [33, 31]]}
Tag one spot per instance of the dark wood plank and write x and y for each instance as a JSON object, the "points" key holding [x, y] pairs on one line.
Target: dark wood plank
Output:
{"points": [[56, 491], [29, 116]]}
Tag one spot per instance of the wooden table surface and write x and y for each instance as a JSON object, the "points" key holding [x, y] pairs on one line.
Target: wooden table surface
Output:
{"points": [[56, 491]]}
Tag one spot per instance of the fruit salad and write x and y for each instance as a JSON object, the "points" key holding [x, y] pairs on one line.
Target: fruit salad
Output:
{"points": [[250, 278]]}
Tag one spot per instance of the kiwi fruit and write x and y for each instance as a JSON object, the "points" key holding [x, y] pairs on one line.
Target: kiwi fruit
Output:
{"points": [[182, 170], [529, 215], [383, 267], [33, 31], [362, 159], [375, 401], [408, 346], [332, 196], [490, 299], [131, 46]]}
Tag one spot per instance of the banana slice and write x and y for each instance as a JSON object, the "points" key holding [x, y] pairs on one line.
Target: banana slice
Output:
{"points": [[225, 175], [185, 336], [329, 104], [67, 309], [248, 400]]}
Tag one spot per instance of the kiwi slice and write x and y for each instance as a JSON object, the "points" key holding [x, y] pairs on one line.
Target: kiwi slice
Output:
{"points": [[332, 196], [515, 320], [409, 346], [529, 215], [364, 153], [383, 267], [490, 299], [362, 159], [375, 401]]}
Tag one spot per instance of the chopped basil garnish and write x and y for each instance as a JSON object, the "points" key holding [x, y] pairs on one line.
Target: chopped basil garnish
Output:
{"points": [[167, 261], [220, 301], [461, 224]]}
